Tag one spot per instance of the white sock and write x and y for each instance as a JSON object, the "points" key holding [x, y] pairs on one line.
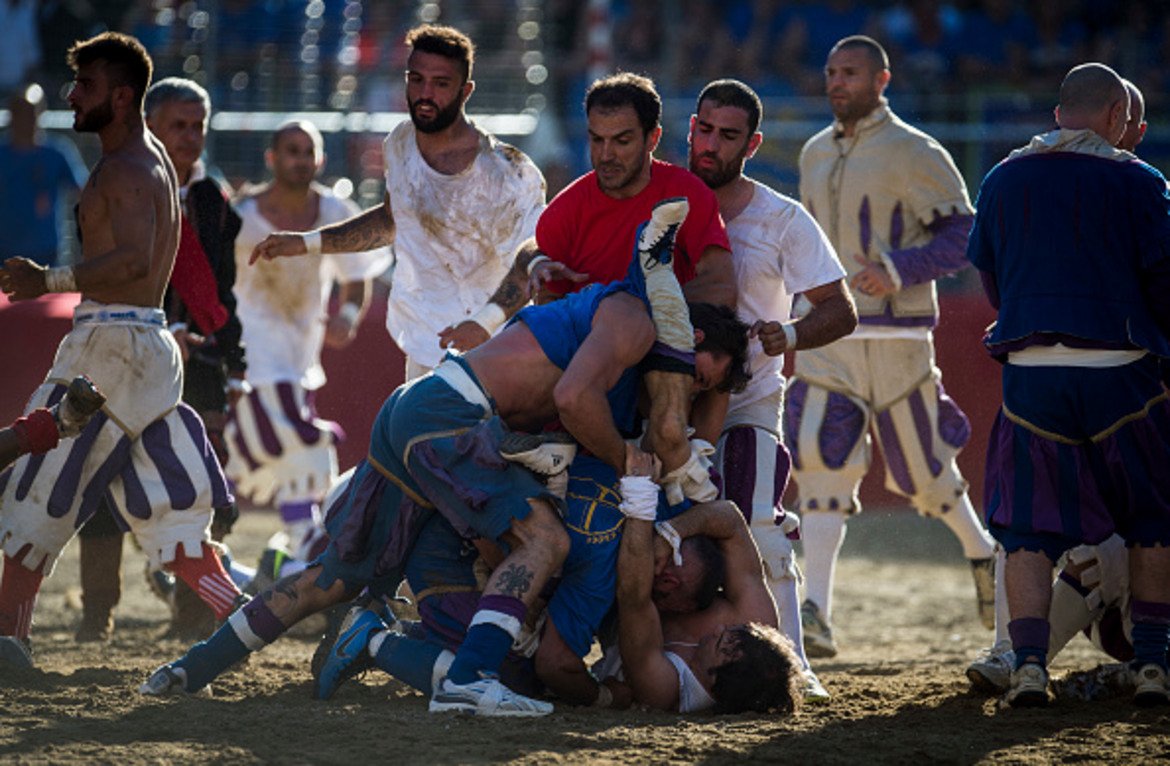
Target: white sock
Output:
{"points": [[1002, 616], [821, 533], [1067, 615], [376, 642], [788, 608], [963, 521]]}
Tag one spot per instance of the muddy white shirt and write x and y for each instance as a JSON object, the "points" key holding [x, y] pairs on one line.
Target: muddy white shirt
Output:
{"points": [[778, 251], [282, 304], [456, 235]]}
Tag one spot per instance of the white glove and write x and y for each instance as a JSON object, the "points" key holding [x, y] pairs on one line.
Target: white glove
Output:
{"points": [[692, 479], [1108, 578], [670, 535], [639, 498]]}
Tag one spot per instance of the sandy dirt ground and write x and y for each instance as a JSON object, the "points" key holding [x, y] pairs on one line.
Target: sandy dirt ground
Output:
{"points": [[905, 619]]}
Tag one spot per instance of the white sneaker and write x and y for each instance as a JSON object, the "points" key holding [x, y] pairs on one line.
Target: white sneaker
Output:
{"points": [[814, 691], [818, 635], [991, 671], [1029, 686], [169, 680], [487, 697], [545, 454], [1150, 688], [656, 243]]}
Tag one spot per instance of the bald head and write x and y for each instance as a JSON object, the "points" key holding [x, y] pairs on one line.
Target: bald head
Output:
{"points": [[1093, 96], [1135, 129]]}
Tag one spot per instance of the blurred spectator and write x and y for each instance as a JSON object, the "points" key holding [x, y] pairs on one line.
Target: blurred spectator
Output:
{"points": [[922, 36], [1061, 41], [20, 45], [997, 36], [34, 172]]}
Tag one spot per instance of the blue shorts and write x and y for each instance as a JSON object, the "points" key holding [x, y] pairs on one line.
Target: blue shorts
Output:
{"points": [[1077, 454], [450, 448]]}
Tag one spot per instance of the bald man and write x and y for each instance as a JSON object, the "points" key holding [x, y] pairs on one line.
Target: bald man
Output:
{"points": [[1072, 239], [1135, 128]]}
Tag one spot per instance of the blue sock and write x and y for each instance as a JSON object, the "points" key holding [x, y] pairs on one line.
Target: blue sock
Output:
{"points": [[1030, 640], [1151, 633], [408, 659], [204, 661], [483, 651]]}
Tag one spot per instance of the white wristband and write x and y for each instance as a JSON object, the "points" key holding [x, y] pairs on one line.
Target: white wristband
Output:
{"points": [[670, 534], [312, 241], [639, 497], [60, 279], [789, 329], [239, 384], [536, 260], [491, 317], [177, 327], [350, 313]]}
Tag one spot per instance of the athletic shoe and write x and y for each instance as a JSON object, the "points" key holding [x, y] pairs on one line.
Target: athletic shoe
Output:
{"points": [[268, 570], [1029, 686], [983, 570], [546, 454], [487, 697], [991, 671], [814, 691], [818, 636], [343, 654], [169, 680], [81, 402], [656, 238], [15, 653], [1150, 686]]}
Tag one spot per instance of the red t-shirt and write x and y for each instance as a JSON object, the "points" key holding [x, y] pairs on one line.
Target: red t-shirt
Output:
{"points": [[593, 233]]}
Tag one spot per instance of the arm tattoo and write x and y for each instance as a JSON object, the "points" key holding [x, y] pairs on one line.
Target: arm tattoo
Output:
{"points": [[516, 580], [368, 231], [285, 586]]}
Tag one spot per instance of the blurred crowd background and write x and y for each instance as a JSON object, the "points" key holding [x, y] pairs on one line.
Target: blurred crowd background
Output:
{"points": [[979, 75]]}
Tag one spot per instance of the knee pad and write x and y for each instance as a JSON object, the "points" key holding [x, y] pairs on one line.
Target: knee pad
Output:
{"points": [[826, 432]]}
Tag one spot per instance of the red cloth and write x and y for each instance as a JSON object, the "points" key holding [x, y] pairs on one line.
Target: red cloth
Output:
{"points": [[195, 283], [207, 577], [591, 232], [18, 595], [36, 433]]}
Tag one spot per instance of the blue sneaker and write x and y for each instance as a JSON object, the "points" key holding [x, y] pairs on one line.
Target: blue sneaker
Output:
{"points": [[655, 237], [342, 653]]}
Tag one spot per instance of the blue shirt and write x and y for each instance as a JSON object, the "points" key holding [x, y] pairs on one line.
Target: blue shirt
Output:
{"points": [[31, 182]]}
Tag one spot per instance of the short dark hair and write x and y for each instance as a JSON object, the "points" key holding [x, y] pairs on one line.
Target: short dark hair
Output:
{"points": [[714, 570], [766, 676], [874, 50], [724, 332], [444, 41], [627, 89], [126, 60], [734, 93]]}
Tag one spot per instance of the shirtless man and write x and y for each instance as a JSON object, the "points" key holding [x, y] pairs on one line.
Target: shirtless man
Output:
{"points": [[146, 450], [729, 656]]}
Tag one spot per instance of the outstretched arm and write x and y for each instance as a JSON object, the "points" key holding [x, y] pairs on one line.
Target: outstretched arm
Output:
{"points": [[368, 230], [511, 296], [651, 676]]}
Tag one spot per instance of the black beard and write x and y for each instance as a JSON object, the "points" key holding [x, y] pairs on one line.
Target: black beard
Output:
{"points": [[718, 176], [443, 119], [95, 119]]}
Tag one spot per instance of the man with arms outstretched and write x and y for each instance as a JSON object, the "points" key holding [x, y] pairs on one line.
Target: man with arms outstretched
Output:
{"points": [[146, 449]]}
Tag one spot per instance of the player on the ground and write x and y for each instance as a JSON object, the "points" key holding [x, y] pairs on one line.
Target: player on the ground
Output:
{"points": [[778, 251], [280, 450], [435, 448], [1080, 341], [146, 450], [459, 204], [896, 210]]}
